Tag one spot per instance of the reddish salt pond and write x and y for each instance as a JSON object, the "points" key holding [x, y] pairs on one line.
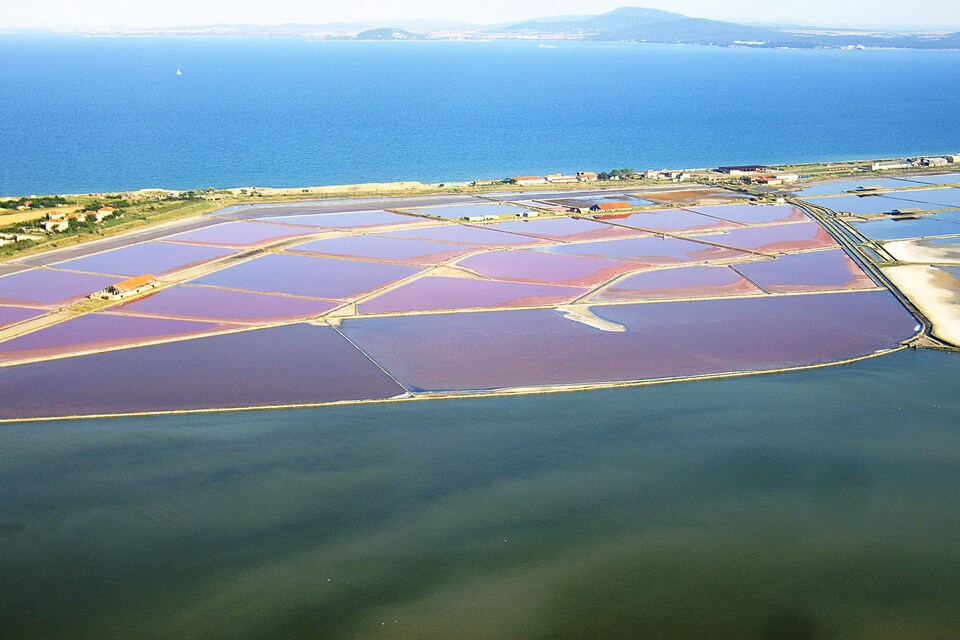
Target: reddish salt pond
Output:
{"points": [[239, 234], [155, 258], [685, 282], [439, 293], [460, 233], [385, 248], [97, 331], [13, 315], [774, 239], [648, 250], [221, 304], [565, 229], [473, 351], [355, 220], [307, 276], [753, 213], [547, 268], [285, 365], [817, 271], [673, 220], [50, 287]]}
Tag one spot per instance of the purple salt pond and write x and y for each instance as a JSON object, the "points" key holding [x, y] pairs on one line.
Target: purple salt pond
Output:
{"points": [[672, 220], [155, 258], [774, 239], [354, 220], [296, 364], [566, 229], [816, 271], [460, 233], [648, 250], [475, 351], [456, 212], [433, 293], [97, 331], [50, 287], [753, 213], [232, 306], [385, 248], [684, 282], [13, 315], [307, 276], [547, 268], [239, 234]]}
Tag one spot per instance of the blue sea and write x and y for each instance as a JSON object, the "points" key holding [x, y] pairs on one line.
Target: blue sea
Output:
{"points": [[83, 114]]}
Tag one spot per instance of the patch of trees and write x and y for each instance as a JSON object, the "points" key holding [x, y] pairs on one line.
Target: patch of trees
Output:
{"points": [[42, 202]]}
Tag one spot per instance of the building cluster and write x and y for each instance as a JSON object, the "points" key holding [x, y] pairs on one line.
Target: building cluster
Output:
{"points": [[61, 221], [913, 163], [126, 288], [759, 174], [10, 238]]}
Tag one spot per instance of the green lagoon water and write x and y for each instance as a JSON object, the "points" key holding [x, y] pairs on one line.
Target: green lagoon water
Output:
{"points": [[818, 504]]}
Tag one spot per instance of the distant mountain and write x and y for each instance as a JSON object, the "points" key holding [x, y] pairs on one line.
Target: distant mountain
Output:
{"points": [[651, 25]]}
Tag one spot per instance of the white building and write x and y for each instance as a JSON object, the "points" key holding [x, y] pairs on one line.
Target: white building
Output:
{"points": [[524, 180]]}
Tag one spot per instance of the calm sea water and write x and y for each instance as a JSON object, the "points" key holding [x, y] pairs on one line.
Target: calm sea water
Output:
{"points": [[807, 505], [91, 114]]}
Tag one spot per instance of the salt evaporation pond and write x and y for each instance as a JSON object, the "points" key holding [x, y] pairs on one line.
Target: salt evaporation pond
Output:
{"points": [[547, 268], [565, 229], [864, 205], [682, 282], [456, 212], [933, 198], [423, 252], [843, 186], [948, 178], [778, 238], [239, 234], [155, 258], [648, 250], [677, 220], [818, 270], [433, 293], [97, 331], [904, 228], [466, 234], [753, 213], [48, 287], [13, 315], [478, 351], [354, 220], [308, 276], [208, 303], [296, 364]]}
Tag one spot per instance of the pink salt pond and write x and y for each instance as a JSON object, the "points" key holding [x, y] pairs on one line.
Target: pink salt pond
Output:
{"points": [[239, 234], [97, 331], [354, 220], [49, 287], [564, 229], [13, 315], [490, 350], [308, 276], [464, 234], [648, 250], [433, 293], [672, 220], [775, 239], [754, 213], [295, 364], [684, 282], [815, 271], [548, 268], [155, 258], [385, 248], [207, 303]]}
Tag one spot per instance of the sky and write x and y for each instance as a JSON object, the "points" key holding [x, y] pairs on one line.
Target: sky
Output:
{"points": [[95, 14]]}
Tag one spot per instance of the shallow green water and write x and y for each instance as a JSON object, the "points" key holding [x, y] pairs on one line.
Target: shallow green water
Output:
{"points": [[816, 504]]}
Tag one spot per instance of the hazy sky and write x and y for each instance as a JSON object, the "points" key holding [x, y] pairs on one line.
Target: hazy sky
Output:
{"points": [[150, 13]]}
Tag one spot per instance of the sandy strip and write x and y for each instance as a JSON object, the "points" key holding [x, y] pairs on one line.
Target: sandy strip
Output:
{"points": [[922, 252], [936, 294]]}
